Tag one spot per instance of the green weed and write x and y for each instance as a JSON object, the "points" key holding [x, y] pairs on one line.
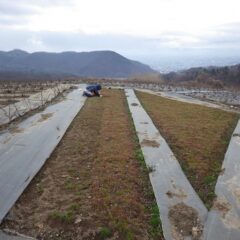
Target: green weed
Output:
{"points": [[105, 233], [64, 217]]}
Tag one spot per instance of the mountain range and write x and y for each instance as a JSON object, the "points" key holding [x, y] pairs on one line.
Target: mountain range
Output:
{"points": [[86, 64]]}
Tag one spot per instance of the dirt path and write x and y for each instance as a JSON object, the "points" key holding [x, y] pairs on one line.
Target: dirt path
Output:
{"points": [[92, 187]]}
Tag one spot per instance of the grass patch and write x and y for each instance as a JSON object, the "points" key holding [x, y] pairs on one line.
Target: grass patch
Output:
{"points": [[124, 230], [105, 233], [69, 184], [74, 207], [64, 217], [39, 188], [140, 157], [198, 136], [210, 180], [156, 229]]}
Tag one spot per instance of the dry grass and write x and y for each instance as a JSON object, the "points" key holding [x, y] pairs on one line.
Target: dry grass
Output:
{"points": [[198, 136], [93, 186]]}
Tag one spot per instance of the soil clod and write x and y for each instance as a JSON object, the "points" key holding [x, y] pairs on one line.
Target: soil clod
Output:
{"points": [[236, 135], [222, 171], [222, 206], [185, 221], [179, 194], [150, 143], [134, 104], [45, 116]]}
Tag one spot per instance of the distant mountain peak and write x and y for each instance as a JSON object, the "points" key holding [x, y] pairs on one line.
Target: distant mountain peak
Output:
{"points": [[17, 52], [105, 63]]}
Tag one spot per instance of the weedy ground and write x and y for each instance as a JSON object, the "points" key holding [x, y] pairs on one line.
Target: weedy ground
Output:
{"points": [[95, 185], [198, 136]]}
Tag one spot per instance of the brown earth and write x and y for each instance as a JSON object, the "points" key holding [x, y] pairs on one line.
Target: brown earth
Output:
{"points": [[198, 136], [150, 143], [190, 226], [45, 117], [92, 186], [222, 206]]}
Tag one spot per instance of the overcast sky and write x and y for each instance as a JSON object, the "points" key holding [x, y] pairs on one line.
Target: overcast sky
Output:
{"points": [[131, 27]]}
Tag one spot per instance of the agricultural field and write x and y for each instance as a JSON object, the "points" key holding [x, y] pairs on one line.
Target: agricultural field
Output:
{"points": [[231, 98], [12, 92], [19, 98], [198, 136], [96, 184], [227, 96]]}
